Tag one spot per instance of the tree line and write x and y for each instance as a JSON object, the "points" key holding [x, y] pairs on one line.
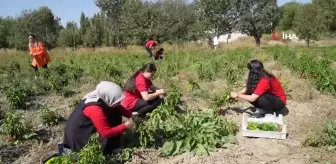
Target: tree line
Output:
{"points": [[132, 22]]}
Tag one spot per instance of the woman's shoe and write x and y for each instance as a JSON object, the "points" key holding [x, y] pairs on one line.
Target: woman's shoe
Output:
{"points": [[259, 113], [284, 111], [117, 150]]}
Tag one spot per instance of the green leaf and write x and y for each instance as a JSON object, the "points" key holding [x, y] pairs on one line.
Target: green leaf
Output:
{"points": [[331, 148], [330, 126], [230, 139], [192, 143], [178, 147], [211, 147], [201, 150], [186, 146], [169, 148], [28, 136]]}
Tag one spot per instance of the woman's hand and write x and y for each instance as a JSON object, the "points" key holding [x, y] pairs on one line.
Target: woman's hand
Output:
{"points": [[234, 95], [161, 91], [165, 92], [130, 125]]}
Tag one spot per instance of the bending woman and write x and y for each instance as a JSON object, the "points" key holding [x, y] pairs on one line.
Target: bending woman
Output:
{"points": [[263, 90], [99, 111], [141, 96], [150, 46]]}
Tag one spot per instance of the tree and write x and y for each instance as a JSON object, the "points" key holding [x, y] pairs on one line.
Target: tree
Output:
{"points": [[258, 17], [92, 38], [94, 33], [45, 25], [41, 22], [173, 20], [221, 14], [5, 26], [69, 36], [288, 13], [134, 22], [84, 24], [308, 23], [113, 10], [328, 10]]}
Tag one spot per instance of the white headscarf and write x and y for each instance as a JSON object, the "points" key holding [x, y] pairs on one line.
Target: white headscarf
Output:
{"points": [[109, 92]]}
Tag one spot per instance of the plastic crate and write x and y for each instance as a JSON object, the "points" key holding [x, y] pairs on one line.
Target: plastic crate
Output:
{"points": [[264, 134]]}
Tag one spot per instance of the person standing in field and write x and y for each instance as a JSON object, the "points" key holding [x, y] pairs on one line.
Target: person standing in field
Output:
{"points": [[150, 46], [263, 90], [141, 96], [99, 111], [159, 54], [39, 53], [215, 42]]}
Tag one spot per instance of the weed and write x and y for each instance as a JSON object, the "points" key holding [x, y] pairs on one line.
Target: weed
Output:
{"points": [[48, 117], [92, 153], [17, 96], [15, 127], [327, 137]]}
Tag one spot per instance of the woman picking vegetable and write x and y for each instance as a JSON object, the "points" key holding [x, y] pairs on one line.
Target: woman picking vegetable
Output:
{"points": [[99, 111], [263, 90], [150, 46], [141, 96], [159, 54], [39, 53]]}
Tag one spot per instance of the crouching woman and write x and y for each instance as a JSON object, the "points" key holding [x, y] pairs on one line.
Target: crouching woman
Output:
{"points": [[99, 111], [141, 96], [263, 90]]}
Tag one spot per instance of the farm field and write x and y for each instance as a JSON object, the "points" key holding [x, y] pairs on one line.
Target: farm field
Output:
{"points": [[197, 80]]}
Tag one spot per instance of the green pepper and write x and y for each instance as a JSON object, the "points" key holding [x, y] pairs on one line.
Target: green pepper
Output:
{"points": [[262, 126]]}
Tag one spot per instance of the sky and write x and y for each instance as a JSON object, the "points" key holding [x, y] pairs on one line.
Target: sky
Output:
{"points": [[67, 10]]}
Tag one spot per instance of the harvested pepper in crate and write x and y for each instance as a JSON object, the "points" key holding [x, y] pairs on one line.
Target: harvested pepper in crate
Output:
{"points": [[262, 126]]}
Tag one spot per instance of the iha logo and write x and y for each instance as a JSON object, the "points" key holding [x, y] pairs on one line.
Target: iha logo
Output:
{"points": [[282, 36]]}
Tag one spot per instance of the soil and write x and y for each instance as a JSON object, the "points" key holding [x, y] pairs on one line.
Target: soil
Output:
{"points": [[333, 65], [308, 109], [9, 153]]}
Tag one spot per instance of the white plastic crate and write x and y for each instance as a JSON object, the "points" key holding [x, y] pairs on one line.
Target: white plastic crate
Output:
{"points": [[264, 134]]}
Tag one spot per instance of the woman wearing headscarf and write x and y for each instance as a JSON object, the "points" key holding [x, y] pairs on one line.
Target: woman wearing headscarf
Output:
{"points": [[263, 90], [39, 53], [99, 111]]}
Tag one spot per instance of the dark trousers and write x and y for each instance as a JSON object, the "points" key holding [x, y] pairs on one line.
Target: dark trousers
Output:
{"points": [[109, 144], [158, 57], [143, 107], [36, 68], [150, 53], [269, 103]]}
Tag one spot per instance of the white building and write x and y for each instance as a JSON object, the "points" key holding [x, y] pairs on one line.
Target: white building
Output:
{"points": [[230, 37], [226, 37]]}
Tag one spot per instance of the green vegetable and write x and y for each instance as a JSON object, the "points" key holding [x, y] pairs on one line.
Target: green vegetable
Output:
{"points": [[262, 126]]}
